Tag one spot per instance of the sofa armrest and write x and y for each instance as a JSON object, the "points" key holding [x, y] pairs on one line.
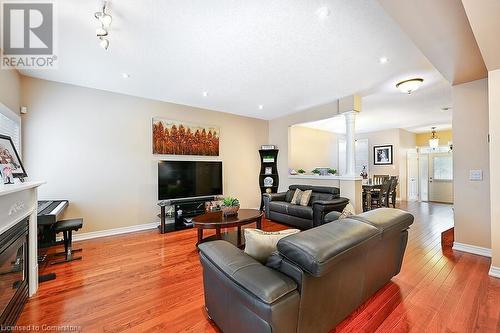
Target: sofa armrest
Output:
{"points": [[332, 216], [264, 283], [268, 197], [323, 207]]}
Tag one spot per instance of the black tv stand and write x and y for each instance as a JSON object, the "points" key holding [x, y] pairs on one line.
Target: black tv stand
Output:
{"points": [[184, 211]]}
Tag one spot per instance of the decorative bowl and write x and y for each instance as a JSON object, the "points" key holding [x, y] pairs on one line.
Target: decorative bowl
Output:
{"points": [[230, 210]]}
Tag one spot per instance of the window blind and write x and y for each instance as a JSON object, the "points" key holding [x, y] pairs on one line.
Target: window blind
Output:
{"points": [[10, 128]]}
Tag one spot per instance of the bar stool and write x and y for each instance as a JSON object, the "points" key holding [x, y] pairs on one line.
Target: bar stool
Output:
{"points": [[67, 227]]}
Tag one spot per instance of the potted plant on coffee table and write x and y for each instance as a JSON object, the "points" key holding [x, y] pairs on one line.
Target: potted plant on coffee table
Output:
{"points": [[230, 206]]}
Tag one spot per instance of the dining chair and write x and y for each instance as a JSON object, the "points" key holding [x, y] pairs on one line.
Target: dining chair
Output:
{"points": [[381, 199], [380, 178], [393, 191]]}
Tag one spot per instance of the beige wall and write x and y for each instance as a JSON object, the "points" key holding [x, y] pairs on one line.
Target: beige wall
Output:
{"points": [[401, 140], [311, 148], [494, 124], [407, 141], [279, 134], [444, 138], [94, 149], [10, 89], [470, 152], [380, 138]]}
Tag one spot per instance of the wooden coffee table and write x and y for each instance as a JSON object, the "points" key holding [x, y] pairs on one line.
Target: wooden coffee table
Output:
{"points": [[217, 221]]}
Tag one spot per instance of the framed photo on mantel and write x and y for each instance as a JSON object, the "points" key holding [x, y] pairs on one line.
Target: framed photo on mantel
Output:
{"points": [[10, 163], [382, 155]]}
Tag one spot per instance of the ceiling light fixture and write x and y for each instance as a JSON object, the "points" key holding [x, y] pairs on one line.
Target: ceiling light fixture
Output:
{"points": [[434, 140], [383, 60], [409, 86], [323, 12], [105, 21], [261, 107], [205, 93], [125, 75]]}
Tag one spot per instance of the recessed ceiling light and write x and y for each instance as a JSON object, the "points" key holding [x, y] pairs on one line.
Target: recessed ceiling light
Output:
{"points": [[205, 93], [383, 60], [261, 107], [409, 86], [323, 12], [125, 75]]}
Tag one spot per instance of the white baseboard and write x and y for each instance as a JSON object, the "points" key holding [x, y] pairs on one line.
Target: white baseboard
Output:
{"points": [[494, 271], [481, 251], [113, 232]]}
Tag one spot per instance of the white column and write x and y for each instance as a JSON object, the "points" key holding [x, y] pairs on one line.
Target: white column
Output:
{"points": [[350, 125]]}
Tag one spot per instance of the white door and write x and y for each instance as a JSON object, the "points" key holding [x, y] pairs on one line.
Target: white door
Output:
{"points": [[441, 177], [412, 167], [423, 176]]}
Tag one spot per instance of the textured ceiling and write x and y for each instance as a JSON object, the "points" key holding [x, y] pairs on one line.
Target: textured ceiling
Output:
{"points": [[279, 54]]}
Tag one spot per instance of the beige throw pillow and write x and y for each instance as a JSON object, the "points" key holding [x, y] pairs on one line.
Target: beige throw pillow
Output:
{"points": [[261, 244], [296, 197], [348, 211], [306, 196]]}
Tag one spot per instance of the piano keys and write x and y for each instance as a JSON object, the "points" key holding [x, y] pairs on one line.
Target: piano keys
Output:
{"points": [[49, 212]]}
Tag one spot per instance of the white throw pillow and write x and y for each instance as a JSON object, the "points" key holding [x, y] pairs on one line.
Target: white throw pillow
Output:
{"points": [[296, 197], [261, 244], [348, 211]]}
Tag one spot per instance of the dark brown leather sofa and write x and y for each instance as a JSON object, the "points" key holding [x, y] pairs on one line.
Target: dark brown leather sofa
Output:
{"points": [[323, 200], [315, 279]]}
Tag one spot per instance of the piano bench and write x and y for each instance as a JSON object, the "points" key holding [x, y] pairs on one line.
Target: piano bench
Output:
{"points": [[67, 227]]}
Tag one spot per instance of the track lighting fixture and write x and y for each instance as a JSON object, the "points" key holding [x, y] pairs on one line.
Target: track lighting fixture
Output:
{"points": [[105, 22]]}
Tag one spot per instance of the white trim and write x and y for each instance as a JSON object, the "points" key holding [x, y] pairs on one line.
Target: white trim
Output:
{"points": [[113, 232], [494, 271], [12, 188], [481, 251]]}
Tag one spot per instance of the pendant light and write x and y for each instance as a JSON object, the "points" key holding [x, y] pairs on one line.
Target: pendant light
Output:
{"points": [[434, 140]]}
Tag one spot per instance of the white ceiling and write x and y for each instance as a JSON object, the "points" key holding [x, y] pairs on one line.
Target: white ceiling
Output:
{"points": [[278, 54], [386, 108]]}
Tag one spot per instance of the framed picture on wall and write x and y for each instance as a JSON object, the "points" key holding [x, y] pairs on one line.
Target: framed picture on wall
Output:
{"points": [[172, 137], [382, 155]]}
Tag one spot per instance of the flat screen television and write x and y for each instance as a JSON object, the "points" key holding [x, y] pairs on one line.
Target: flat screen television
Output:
{"points": [[188, 179]]}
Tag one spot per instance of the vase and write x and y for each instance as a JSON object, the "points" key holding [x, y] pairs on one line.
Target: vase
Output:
{"points": [[230, 210]]}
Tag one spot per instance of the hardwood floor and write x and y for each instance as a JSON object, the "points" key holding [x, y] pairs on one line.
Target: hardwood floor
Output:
{"points": [[147, 282]]}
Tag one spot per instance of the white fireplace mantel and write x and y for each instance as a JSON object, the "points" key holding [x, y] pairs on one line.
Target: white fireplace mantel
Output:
{"points": [[17, 202]]}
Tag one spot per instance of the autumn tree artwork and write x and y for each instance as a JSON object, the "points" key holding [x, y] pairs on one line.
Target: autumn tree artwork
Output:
{"points": [[172, 137]]}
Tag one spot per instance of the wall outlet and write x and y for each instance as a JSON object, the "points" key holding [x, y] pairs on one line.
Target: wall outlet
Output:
{"points": [[475, 175]]}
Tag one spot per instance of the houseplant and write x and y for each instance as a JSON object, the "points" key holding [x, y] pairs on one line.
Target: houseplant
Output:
{"points": [[230, 206], [301, 171], [316, 172], [332, 171]]}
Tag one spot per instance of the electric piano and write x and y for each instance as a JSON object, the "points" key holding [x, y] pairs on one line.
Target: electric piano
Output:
{"points": [[49, 212]]}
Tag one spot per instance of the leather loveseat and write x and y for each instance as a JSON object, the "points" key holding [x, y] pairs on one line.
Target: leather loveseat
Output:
{"points": [[315, 279], [323, 200]]}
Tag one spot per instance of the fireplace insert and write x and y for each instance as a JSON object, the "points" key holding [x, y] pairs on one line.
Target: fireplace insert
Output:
{"points": [[13, 272]]}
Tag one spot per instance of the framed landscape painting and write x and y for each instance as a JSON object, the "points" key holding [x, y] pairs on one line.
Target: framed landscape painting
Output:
{"points": [[172, 137], [382, 155]]}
